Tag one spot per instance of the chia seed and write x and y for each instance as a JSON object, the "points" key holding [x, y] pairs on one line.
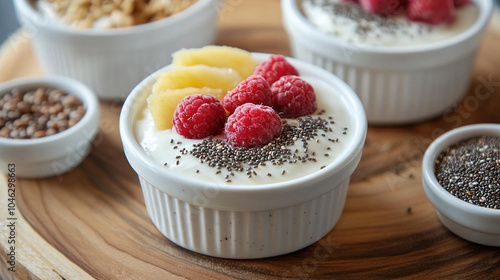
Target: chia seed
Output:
{"points": [[217, 154], [470, 170], [366, 24]]}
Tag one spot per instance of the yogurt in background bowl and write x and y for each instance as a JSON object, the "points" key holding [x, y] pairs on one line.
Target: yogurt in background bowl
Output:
{"points": [[247, 220], [351, 24], [397, 85]]}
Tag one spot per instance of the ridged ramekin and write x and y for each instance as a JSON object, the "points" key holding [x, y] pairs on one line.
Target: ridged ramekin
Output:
{"points": [[58, 153], [113, 61], [397, 85], [474, 223], [245, 222]]}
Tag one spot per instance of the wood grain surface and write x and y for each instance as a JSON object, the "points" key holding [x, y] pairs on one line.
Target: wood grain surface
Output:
{"points": [[92, 223]]}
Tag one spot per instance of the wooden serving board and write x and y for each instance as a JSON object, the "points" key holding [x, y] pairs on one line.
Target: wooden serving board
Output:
{"points": [[92, 223]]}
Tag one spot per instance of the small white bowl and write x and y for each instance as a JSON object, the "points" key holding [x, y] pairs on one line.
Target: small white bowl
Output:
{"points": [[58, 153], [397, 85], [113, 61], [245, 222], [471, 222]]}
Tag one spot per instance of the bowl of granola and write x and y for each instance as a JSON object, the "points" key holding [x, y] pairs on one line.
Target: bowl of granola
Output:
{"points": [[112, 45]]}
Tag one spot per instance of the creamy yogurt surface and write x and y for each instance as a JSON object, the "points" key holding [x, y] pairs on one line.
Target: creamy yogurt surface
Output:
{"points": [[172, 150], [349, 23]]}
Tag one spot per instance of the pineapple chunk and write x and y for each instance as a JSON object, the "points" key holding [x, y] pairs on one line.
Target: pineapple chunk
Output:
{"points": [[198, 76], [162, 104], [217, 56]]}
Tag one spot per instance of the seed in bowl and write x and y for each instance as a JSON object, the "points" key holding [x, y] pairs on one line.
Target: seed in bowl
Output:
{"points": [[38, 112], [110, 13], [470, 170]]}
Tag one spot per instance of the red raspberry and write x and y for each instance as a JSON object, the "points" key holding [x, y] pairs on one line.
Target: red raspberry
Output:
{"points": [[252, 125], [274, 68], [198, 116], [431, 11], [461, 3], [293, 97], [382, 7], [253, 89]]}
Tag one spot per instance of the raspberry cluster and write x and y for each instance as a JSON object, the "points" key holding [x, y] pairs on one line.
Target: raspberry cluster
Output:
{"points": [[254, 106]]}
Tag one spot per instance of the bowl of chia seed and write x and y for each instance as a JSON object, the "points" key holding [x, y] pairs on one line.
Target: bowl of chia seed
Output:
{"points": [[461, 177]]}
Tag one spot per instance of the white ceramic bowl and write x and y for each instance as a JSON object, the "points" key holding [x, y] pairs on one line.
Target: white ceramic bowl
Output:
{"points": [[397, 85], [112, 62], [58, 153], [471, 222], [245, 222]]}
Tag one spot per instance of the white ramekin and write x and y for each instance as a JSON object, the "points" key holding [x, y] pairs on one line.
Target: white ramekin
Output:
{"points": [[471, 222], [397, 85], [112, 62], [55, 154], [245, 222]]}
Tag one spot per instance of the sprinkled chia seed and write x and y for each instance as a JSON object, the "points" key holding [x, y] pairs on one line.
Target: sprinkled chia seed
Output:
{"points": [[366, 24], [215, 153], [470, 170]]}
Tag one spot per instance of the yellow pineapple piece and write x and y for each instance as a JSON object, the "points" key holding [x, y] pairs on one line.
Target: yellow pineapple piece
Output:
{"points": [[217, 56], [162, 104], [198, 76]]}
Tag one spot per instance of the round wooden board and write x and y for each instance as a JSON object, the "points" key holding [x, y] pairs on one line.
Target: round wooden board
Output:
{"points": [[92, 221]]}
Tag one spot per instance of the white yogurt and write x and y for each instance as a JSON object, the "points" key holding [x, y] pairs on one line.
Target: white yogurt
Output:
{"points": [[160, 147], [379, 31]]}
